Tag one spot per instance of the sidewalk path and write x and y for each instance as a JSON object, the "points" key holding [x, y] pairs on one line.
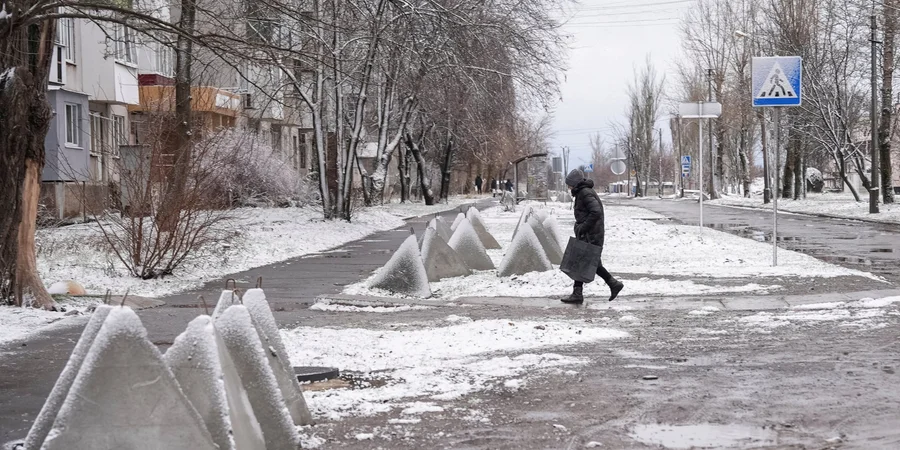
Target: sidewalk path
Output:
{"points": [[865, 246], [29, 371]]}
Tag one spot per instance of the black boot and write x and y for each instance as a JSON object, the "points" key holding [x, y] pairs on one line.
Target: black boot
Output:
{"points": [[577, 297], [614, 288]]}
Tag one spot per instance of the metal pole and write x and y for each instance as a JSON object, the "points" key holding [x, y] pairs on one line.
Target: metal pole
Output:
{"points": [[712, 154], [700, 150], [777, 163], [764, 136], [873, 118], [680, 154]]}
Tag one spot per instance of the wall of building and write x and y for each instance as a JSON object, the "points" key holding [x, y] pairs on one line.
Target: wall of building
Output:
{"points": [[65, 161]]}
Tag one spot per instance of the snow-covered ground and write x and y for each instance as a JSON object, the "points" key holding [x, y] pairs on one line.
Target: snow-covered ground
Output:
{"points": [[832, 204], [636, 248], [19, 323], [441, 362], [262, 236]]}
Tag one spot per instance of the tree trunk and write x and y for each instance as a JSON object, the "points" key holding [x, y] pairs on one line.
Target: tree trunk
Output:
{"points": [[887, 97], [424, 179], [403, 168], [446, 168], [839, 160], [25, 55]]}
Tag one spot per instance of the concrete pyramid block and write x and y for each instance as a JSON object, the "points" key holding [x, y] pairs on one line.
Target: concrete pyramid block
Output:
{"points": [[526, 213], [404, 273], [207, 375], [125, 397], [525, 254], [440, 260], [551, 226], [226, 299], [443, 228], [242, 341], [541, 214], [467, 244], [261, 313], [459, 219], [551, 246], [44, 421], [487, 239]]}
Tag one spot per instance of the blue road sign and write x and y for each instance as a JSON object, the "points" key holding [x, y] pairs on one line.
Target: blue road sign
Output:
{"points": [[777, 81], [686, 159], [589, 168], [685, 169]]}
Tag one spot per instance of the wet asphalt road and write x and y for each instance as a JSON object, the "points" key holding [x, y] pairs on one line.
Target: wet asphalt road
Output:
{"points": [[865, 246]]}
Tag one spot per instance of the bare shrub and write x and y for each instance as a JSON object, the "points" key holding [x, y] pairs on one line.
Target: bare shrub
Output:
{"points": [[156, 232], [250, 170]]}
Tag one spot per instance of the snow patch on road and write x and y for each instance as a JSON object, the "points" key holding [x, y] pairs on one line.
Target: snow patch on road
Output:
{"points": [[866, 313], [326, 305], [20, 323], [436, 364]]}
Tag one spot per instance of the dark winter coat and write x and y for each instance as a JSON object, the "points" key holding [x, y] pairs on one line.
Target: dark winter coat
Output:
{"points": [[509, 185], [478, 181], [589, 225]]}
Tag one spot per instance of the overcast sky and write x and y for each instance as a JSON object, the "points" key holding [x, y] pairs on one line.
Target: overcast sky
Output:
{"points": [[609, 39]]}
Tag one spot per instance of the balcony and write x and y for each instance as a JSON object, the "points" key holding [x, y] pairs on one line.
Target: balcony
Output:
{"points": [[205, 99]]}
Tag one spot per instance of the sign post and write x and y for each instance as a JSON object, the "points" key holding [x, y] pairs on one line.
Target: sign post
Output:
{"points": [[699, 110], [777, 82]]}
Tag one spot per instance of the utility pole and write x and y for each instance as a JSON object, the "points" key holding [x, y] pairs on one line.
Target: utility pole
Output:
{"points": [[873, 117], [680, 155]]}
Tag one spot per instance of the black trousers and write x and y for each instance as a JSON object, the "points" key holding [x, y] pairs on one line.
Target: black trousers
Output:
{"points": [[604, 274]]}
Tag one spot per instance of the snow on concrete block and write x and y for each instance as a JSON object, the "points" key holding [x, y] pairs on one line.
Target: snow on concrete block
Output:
{"points": [[522, 219], [440, 260], [207, 375], [541, 214], [49, 411], [226, 299], [242, 341], [467, 244], [404, 273], [261, 313], [486, 238], [459, 219], [67, 287], [551, 246], [525, 254], [551, 226], [125, 396], [443, 229]]}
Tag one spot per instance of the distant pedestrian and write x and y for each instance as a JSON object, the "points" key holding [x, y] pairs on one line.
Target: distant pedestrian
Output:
{"points": [[494, 189], [478, 183], [509, 185], [589, 227]]}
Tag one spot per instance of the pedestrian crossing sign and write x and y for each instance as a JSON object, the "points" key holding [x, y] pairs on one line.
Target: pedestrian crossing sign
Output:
{"points": [[777, 81]]}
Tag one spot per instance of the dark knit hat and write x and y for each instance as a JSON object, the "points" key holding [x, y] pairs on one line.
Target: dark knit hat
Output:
{"points": [[574, 177]]}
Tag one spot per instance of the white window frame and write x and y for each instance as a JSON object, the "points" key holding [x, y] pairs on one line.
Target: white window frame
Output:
{"points": [[98, 135], [120, 133], [58, 65], [165, 60], [65, 37], [124, 42], [73, 125]]}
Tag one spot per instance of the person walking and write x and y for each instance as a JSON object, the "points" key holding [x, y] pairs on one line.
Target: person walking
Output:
{"points": [[478, 183], [509, 185], [493, 187], [589, 227]]}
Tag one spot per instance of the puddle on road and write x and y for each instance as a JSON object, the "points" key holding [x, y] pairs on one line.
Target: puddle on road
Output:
{"points": [[705, 435]]}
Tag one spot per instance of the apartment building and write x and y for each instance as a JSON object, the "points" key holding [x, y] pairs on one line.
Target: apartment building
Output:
{"points": [[106, 81]]}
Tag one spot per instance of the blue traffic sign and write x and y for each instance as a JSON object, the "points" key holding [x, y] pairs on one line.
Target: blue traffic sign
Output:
{"points": [[686, 159], [777, 81], [589, 168]]}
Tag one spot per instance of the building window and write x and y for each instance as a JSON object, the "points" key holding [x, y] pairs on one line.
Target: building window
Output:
{"points": [[165, 59], [65, 37], [303, 151], [58, 65], [120, 134], [73, 124], [276, 137], [124, 38], [98, 135]]}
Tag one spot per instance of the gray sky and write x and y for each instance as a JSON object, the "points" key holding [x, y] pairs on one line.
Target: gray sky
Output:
{"points": [[609, 39]]}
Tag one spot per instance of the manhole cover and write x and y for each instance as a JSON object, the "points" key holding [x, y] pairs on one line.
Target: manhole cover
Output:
{"points": [[313, 374]]}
